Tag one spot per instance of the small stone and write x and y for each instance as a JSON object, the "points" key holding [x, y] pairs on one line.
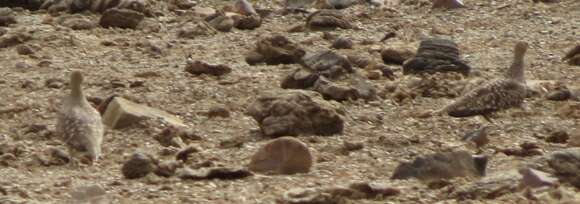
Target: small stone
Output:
{"points": [[138, 166], [285, 155], [221, 173], [560, 136], [218, 111], [396, 55], [328, 63], [559, 95], [24, 50], [13, 39], [167, 168], [342, 43], [168, 138], [374, 75], [307, 196], [183, 155], [352, 146], [533, 178], [359, 61], [121, 18], [54, 83], [122, 113], [334, 91], [247, 22], [203, 11], [299, 79], [198, 67], [89, 194], [449, 4], [7, 17]]}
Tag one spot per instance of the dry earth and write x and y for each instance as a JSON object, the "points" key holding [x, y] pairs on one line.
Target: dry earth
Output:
{"points": [[485, 31]]}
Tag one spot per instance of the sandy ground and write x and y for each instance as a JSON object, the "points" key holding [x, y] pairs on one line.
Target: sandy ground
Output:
{"points": [[485, 31]]}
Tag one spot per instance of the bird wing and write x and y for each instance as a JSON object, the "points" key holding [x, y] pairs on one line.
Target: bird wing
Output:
{"points": [[490, 97]]}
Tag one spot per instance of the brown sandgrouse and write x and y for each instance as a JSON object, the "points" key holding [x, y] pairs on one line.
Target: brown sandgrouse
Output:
{"points": [[499, 94], [79, 125]]}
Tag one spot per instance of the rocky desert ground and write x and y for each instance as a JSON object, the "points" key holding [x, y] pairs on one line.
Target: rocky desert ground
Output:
{"points": [[198, 98]]}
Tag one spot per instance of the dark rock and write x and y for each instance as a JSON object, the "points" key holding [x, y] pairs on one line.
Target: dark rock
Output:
{"points": [[221, 173], [183, 155], [295, 112], [167, 168], [560, 136], [7, 17], [284, 155], [331, 90], [24, 50], [565, 162], [436, 55], [328, 64], [198, 67], [138, 165], [448, 4], [396, 55], [573, 56], [327, 20], [275, 50], [440, 166], [250, 22], [121, 18], [342, 43], [13, 39], [218, 111], [559, 95], [299, 79]]}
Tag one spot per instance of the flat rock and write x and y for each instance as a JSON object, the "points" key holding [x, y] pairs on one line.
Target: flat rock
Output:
{"points": [[122, 113], [533, 178], [93, 194], [121, 18], [284, 155], [76, 22], [198, 67], [295, 112], [273, 50], [489, 187], [439, 166], [221, 173]]}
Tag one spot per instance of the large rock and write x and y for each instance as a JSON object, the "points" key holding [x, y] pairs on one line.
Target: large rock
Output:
{"points": [[121, 113], [274, 50], [440, 166], [295, 112], [436, 55], [121, 18], [565, 162], [285, 155]]}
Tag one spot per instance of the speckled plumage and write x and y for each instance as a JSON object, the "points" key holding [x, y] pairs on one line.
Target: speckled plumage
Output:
{"points": [[497, 95], [79, 125]]}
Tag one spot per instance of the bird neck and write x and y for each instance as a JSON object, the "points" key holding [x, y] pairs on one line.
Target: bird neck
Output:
{"points": [[516, 70], [77, 94]]}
